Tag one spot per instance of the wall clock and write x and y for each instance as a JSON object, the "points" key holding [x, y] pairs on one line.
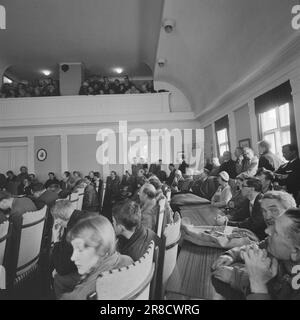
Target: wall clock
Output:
{"points": [[41, 154]]}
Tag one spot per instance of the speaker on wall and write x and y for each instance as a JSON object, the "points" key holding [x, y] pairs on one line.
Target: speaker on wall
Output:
{"points": [[65, 67], [70, 77]]}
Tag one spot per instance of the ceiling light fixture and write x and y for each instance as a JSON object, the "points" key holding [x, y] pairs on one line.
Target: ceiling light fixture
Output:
{"points": [[161, 62], [46, 72], [118, 70]]}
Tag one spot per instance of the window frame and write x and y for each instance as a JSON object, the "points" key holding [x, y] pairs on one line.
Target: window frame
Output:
{"points": [[223, 144], [277, 132]]}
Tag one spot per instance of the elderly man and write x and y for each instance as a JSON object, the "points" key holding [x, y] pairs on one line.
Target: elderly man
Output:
{"points": [[249, 163], [177, 182], [267, 159], [148, 203], [236, 282], [238, 153], [42, 197]]}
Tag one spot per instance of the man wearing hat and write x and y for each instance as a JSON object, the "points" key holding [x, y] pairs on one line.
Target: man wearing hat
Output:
{"points": [[223, 194]]}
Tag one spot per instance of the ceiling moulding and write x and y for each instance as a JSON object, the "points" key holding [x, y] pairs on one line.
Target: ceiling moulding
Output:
{"points": [[283, 57]]}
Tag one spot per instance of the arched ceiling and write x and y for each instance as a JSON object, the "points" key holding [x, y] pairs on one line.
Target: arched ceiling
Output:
{"points": [[218, 43], [215, 46]]}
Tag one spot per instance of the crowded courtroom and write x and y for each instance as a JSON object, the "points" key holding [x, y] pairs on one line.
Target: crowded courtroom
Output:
{"points": [[149, 150]]}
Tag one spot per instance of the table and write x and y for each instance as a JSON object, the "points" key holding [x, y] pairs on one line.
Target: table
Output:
{"points": [[191, 276]]}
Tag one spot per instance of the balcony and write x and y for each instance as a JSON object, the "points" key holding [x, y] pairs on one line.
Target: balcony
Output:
{"points": [[76, 110]]}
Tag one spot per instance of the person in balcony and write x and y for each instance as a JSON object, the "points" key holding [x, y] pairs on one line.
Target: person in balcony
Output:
{"points": [[84, 89], [117, 86]]}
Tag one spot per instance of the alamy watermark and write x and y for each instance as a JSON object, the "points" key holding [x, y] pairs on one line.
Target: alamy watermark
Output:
{"points": [[296, 18], [2, 18], [122, 147]]}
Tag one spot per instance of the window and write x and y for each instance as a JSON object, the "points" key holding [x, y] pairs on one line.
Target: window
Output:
{"points": [[223, 143], [275, 127], [222, 135]]}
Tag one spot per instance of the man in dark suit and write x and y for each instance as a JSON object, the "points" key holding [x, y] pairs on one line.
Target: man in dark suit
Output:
{"points": [[172, 174], [52, 180], [228, 165], [252, 190], [288, 174], [2, 181], [42, 197]]}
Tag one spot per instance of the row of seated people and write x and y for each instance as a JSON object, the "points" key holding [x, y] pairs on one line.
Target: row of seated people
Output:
{"points": [[37, 88], [133, 222], [286, 175], [265, 270], [95, 86]]}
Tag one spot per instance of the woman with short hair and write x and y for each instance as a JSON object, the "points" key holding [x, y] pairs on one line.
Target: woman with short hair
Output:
{"points": [[94, 252], [223, 195]]}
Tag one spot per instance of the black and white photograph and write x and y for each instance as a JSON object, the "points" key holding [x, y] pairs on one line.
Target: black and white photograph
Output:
{"points": [[149, 150]]}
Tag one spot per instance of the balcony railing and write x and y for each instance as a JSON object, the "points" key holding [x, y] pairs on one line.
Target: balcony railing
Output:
{"points": [[82, 109]]}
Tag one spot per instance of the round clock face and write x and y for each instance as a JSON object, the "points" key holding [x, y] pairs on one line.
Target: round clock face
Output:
{"points": [[41, 154]]}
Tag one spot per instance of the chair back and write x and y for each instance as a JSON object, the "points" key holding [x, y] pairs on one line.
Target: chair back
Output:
{"points": [[74, 199], [168, 195], [161, 217], [30, 242], [172, 234], [80, 193], [128, 283], [103, 193], [3, 239], [2, 278]]}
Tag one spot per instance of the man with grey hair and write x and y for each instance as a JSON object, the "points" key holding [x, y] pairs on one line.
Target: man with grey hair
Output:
{"points": [[65, 217], [250, 162], [237, 282], [267, 159]]}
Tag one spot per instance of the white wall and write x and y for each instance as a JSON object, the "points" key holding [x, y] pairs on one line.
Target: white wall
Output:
{"points": [[87, 109], [242, 123], [178, 100]]}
